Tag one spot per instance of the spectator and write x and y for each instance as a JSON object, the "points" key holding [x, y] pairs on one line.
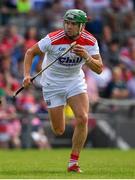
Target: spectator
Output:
{"points": [[126, 5], [106, 38], [127, 54], [42, 107], [27, 102], [8, 83], [7, 9], [97, 7], [14, 130], [38, 135], [102, 80], [10, 126], [79, 4], [31, 37], [67, 4], [131, 85], [117, 88], [113, 53]]}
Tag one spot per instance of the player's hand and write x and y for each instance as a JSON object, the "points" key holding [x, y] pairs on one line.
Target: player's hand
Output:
{"points": [[27, 81], [80, 51]]}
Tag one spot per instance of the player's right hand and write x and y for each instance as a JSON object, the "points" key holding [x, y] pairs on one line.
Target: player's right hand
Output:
{"points": [[26, 81]]}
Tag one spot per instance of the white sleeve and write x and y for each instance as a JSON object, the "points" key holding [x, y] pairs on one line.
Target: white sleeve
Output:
{"points": [[45, 44], [93, 50]]}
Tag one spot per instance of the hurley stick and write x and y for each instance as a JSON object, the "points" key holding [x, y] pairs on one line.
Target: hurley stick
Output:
{"points": [[40, 72]]}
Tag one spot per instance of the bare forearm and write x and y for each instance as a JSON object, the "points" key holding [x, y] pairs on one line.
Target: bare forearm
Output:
{"points": [[94, 64], [28, 62], [33, 51]]}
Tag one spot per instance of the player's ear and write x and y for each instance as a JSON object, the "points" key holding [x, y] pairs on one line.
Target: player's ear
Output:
{"points": [[83, 26]]}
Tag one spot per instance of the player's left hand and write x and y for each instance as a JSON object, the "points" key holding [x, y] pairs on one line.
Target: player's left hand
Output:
{"points": [[80, 51]]}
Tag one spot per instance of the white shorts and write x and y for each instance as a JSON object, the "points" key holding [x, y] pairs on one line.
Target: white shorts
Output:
{"points": [[57, 94]]}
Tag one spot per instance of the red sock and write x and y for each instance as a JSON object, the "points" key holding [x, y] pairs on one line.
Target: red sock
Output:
{"points": [[73, 159]]}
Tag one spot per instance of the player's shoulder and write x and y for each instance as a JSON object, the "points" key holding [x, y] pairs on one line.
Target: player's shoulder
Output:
{"points": [[58, 38], [89, 38], [88, 34], [56, 34]]}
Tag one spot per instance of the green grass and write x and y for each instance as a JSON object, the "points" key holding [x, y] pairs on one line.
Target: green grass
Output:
{"points": [[51, 164]]}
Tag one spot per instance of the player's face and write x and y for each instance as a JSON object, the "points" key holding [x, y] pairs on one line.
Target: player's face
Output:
{"points": [[72, 29]]}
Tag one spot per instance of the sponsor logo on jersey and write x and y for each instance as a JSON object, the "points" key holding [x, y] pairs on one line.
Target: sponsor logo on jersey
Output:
{"points": [[67, 61], [62, 48]]}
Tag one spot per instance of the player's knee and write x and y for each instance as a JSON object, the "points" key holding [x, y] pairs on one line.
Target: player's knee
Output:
{"points": [[58, 131], [82, 119]]}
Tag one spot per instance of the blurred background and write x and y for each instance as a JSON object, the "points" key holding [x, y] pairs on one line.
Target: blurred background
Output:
{"points": [[24, 123]]}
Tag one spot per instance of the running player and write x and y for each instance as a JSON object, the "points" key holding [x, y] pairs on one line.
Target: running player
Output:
{"points": [[63, 82]]}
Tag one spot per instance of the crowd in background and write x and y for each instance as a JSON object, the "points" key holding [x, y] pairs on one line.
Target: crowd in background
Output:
{"points": [[24, 22]]}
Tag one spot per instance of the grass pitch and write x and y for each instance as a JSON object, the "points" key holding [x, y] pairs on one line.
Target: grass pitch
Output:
{"points": [[51, 164]]}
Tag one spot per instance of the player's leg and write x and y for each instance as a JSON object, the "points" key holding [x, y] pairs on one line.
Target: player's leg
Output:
{"points": [[57, 118], [80, 106], [55, 100]]}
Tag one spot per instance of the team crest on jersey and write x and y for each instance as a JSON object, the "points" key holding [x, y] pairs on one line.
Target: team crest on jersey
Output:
{"points": [[48, 102], [67, 61]]}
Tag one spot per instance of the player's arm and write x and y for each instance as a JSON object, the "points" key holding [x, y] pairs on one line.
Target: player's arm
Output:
{"points": [[94, 62], [29, 56]]}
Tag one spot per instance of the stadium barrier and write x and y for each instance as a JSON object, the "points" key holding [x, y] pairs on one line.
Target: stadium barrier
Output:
{"points": [[111, 124], [115, 123]]}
